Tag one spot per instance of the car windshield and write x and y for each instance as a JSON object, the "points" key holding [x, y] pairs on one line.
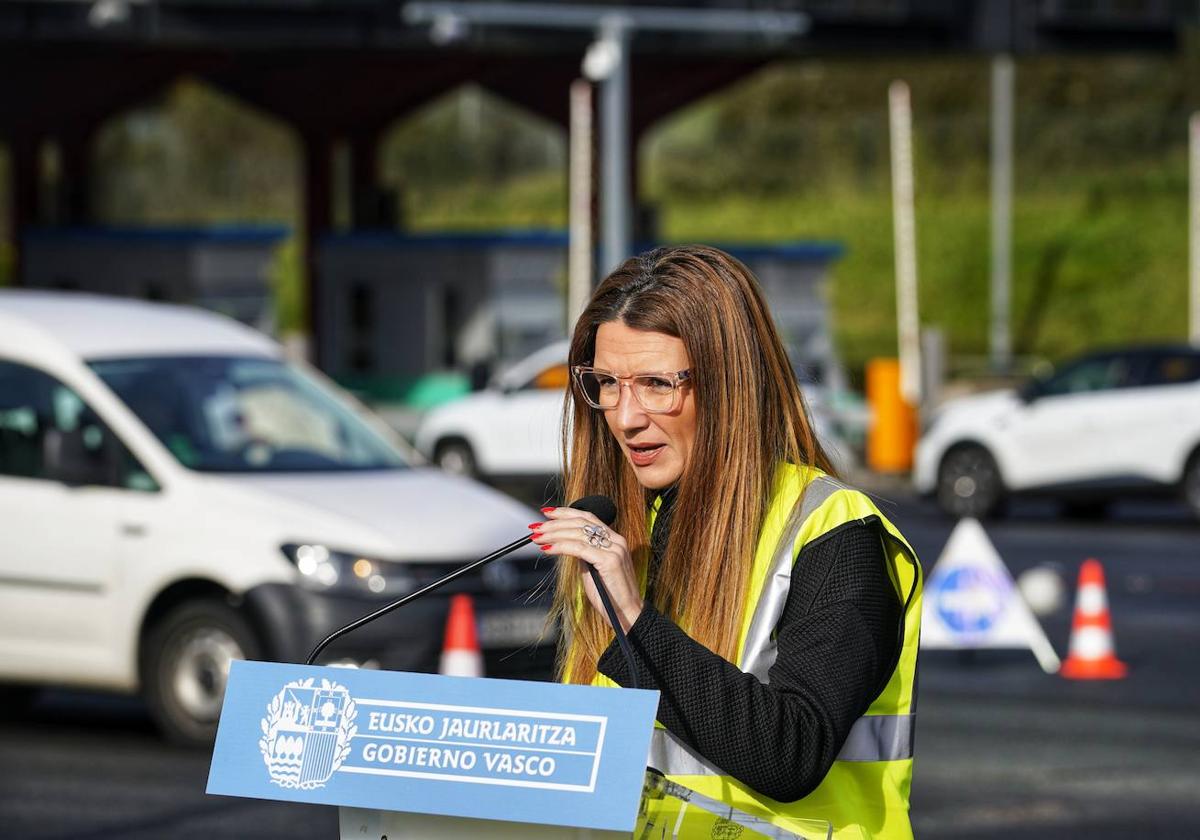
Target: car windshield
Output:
{"points": [[226, 414], [1097, 373]]}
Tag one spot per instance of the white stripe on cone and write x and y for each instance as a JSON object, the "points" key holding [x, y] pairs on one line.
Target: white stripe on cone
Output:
{"points": [[1091, 643], [461, 656], [1092, 600], [461, 663]]}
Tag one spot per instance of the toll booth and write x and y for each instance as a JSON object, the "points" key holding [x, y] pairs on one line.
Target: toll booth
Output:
{"points": [[225, 269], [395, 307], [795, 279]]}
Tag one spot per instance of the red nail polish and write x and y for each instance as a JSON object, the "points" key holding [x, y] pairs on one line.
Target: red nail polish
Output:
{"points": [[547, 547], [547, 510], [533, 526]]}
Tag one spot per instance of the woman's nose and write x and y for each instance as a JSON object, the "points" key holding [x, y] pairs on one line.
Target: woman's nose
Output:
{"points": [[629, 411]]}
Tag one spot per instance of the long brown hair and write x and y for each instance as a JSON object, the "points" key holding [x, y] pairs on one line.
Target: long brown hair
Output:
{"points": [[750, 417]]}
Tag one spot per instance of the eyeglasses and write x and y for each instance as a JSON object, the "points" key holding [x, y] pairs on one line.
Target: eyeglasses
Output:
{"points": [[657, 393]]}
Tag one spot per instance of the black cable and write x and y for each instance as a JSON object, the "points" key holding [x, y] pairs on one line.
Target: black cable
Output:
{"points": [[616, 626]]}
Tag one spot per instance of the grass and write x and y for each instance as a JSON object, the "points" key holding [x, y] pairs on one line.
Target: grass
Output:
{"points": [[1100, 260]]}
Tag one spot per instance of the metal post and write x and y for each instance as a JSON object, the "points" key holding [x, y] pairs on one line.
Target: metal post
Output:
{"points": [[905, 231], [1194, 230], [614, 147], [933, 366], [1000, 346], [579, 262]]}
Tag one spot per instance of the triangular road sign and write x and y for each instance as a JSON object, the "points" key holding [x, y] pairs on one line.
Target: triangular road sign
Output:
{"points": [[971, 601]]}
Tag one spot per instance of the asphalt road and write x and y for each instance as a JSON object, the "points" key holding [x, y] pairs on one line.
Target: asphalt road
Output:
{"points": [[1003, 750]]}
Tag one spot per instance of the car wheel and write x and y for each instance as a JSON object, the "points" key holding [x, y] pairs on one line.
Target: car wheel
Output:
{"points": [[185, 665], [1191, 485], [456, 457], [969, 483]]}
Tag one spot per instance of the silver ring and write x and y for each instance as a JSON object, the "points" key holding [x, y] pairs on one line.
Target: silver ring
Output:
{"points": [[597, 536]]}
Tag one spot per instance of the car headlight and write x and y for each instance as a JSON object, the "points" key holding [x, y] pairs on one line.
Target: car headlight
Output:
{"points": [[327, 570]]}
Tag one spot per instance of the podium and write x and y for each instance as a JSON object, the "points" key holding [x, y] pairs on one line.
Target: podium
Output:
{"points": [[427, 756], [661, 813]]}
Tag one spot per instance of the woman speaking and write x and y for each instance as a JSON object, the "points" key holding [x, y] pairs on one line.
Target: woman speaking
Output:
{"points": [[774, 608]]}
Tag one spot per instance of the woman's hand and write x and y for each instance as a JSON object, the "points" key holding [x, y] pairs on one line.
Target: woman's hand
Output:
{"points": [[562, 534]]}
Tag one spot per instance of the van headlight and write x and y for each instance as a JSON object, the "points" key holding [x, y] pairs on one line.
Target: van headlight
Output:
{"points": [[325, 569]]}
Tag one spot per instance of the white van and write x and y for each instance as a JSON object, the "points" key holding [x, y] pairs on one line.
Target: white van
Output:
{"points": [[175, 494]]}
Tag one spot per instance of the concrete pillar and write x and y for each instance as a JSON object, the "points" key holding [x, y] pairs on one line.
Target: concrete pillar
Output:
{"points": [[644, 221], [367, 200], [318, 221], [26, 187], [75, 178]]}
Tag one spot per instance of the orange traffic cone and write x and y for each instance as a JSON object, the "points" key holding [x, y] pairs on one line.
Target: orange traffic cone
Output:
{"points": [[461, 656], [1091, 655]]}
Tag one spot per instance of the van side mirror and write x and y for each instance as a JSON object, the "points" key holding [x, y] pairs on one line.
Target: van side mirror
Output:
{"points": [[82, 456]]}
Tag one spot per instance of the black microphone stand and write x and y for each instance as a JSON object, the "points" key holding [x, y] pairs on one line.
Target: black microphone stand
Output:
{"points": [[622, 641], [412, 596]]}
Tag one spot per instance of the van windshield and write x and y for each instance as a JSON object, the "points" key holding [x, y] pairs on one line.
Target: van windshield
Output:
{"points": [[227, 414]]}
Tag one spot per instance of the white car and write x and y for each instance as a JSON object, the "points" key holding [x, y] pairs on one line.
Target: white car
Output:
{"points": [[1109, 424], [513, 428], [175, 494]]}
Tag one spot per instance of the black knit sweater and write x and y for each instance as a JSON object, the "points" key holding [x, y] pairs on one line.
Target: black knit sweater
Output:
{"points": [[838, 640]]}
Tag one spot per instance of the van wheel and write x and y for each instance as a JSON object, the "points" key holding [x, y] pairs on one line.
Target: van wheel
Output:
{"points": [[185, 664], [456, 457], [1092, 510], [1191, 485], [969, 483]]}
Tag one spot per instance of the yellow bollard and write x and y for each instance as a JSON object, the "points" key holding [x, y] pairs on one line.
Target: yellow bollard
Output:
{"points": [[893, 431]]}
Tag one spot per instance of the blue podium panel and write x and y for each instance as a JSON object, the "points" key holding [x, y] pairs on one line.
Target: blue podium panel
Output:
{"points": [[423, 743]]}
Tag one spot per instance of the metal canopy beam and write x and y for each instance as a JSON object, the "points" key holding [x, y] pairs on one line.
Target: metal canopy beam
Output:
{"points": [[663, 19], [607, 62]]}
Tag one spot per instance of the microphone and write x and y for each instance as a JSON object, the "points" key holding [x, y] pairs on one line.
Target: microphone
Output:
{"points": [[601, 507]]}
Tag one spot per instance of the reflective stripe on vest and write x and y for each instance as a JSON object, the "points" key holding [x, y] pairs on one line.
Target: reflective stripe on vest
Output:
{"points": [[672, 757], [879, 738], [760, 649], [871, 738]]}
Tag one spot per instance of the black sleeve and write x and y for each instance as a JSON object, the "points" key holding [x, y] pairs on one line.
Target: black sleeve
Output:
{"points": [[838, 640]]}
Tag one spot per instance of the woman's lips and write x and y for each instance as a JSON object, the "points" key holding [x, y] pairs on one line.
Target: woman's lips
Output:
{"points": [[644, 455]]}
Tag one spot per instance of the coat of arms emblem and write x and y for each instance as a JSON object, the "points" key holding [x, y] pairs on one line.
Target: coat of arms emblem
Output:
{"points": [[306, 733]]}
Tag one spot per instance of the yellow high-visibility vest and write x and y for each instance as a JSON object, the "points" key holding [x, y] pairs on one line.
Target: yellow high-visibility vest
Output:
{"points": [[865, 794]]}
